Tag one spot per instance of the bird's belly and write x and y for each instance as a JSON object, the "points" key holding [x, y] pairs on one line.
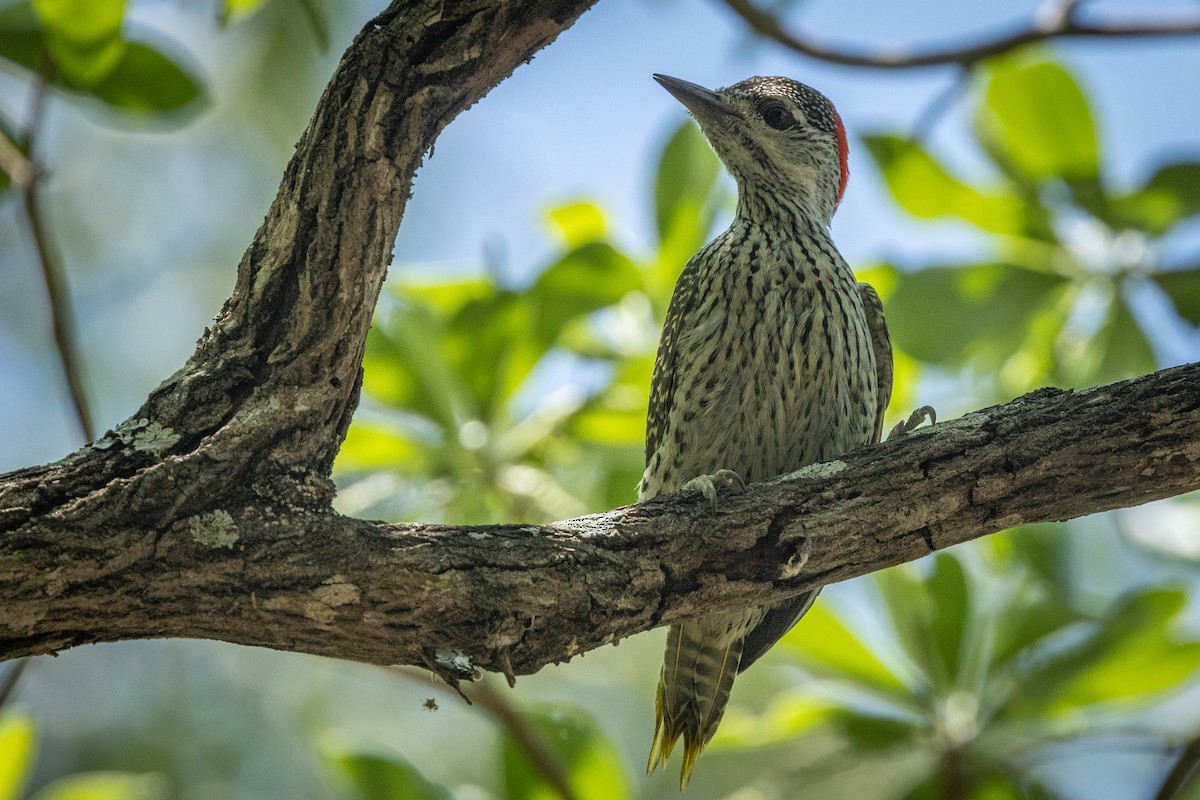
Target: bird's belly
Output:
{"points": [[786, 404]]}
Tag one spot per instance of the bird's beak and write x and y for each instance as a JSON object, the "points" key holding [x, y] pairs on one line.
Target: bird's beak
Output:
{"points": [[703, 103]]}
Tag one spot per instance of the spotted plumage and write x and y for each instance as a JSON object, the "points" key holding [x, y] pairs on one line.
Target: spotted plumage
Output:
{"points": [[772, 357]]}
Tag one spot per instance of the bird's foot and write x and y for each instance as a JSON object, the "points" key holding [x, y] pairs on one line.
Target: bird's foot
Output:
{"points": [[707, 484], [914, 420]]}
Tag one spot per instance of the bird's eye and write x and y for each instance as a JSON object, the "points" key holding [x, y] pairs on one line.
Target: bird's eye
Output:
{"points": [[778, 117]]}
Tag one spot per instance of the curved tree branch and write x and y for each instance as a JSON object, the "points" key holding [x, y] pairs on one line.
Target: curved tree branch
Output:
{"points": [[517, 597], [208, 513], [1056, 21]]}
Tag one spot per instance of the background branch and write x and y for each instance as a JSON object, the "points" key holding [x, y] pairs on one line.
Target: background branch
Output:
{"points": [[53, 279], [1057, 21]]}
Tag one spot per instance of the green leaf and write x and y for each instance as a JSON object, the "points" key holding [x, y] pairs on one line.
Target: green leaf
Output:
{"points": [[925, 189], [237, 9], [1132, 657], [686, 175], [1036, 116], [147, 81], [105, 786], [1123, 348], [129, 76], [1183, 287], [583, 281], [316, 23], [871, 732], [377, 777], [371, 446], [579, 223], [18, 744], [1170, 195], [84, 37], [951, 609], [947, 315], [588, 761], [826, 647], [21, 38]]}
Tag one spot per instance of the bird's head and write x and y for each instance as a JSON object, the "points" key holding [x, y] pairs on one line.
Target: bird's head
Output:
{"points": [[782, 141]]}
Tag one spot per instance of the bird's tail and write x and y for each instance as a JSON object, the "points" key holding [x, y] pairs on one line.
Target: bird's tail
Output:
{"points": [[698, 670]]}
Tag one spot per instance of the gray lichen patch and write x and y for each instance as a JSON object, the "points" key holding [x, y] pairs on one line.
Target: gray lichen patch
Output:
{"points": [[142, 435], [455, 661], [213, 529], [823, 469]]}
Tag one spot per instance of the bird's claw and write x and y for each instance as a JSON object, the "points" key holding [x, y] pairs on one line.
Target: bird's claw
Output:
{"points": [[707, 484], [914, 420]]}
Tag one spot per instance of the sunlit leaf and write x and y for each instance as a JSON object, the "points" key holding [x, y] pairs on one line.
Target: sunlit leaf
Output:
{"points": [[579, 223], [1037, 116], [787, 715], [84, 36], [825, 646], [236, 9], [373, 446], [128, 76], [376, 777], [403, 368], [105, 786], [588, 761], [17, 748], [1183, 287], [925, 189]]}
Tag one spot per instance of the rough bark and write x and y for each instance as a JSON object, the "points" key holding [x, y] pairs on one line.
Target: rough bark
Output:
{"points": [[207, 514]]}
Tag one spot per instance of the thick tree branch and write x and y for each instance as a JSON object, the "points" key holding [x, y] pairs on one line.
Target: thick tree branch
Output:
{"points": [[1057, 20], [523, 596], [207, 514]]}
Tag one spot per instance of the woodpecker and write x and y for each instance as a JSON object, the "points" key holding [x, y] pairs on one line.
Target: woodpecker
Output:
{"points": [[772, 357]]}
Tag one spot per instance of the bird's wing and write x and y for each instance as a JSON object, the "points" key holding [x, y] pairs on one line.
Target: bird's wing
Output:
{"points": [[662, 386], [778, 620], [881, 343]]}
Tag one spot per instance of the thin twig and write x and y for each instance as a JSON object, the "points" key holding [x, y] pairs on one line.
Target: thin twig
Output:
{"points": [[57, 294], [10, 679], [501, 709], [1060, 25], [504, 712], [13, 162], [939, 105]]}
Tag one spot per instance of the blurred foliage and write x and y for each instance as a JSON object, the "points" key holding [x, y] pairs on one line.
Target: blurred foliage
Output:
{"points": [[591, 764], [485, 401], [1054, 304], [18, 750], [79, 46]]}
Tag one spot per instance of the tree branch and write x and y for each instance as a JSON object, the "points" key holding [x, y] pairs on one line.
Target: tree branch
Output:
{"points": [[522, 596], [208, 513], [1055, 21]]}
